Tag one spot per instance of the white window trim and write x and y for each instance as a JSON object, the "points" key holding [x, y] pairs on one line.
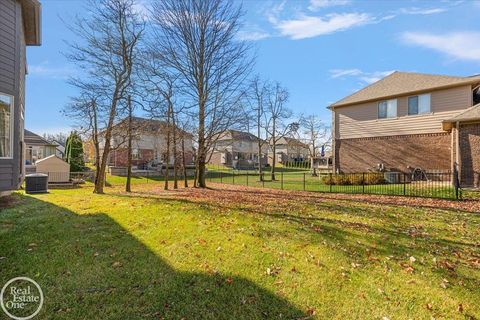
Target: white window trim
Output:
{"points": [[387, 118], [423, 113], [12, 123]]}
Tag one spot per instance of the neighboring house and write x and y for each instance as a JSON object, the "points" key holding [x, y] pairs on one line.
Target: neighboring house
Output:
{"points": [[149, 144], [237, 149], [19, 27], [37, 148], [289, 149], [59, 149], [410, 120]]}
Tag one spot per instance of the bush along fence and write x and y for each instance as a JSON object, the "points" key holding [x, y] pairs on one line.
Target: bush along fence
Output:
{"points": [[431, 184], [297, 164]]}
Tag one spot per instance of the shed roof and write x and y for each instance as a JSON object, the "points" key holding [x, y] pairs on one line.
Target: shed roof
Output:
{"points": [[402, 83]]}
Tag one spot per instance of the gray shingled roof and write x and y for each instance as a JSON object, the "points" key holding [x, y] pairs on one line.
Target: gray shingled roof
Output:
{"points": [[470, 114], [238, 135], [31, 138], [401, 83]]}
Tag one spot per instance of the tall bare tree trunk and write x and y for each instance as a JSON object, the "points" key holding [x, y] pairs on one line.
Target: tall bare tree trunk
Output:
{"points": [[201, 154], [106, 148], [129, 149], [274, 149], [184, 165], [175, 161], [167, 154], [260, 169]]}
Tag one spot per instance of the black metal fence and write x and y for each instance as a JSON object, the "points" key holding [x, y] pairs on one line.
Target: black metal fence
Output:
{"points": [[429, 184], [425, 184]]}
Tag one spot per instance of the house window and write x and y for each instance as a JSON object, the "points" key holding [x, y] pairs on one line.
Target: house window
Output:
{"points": [[419, 104], [6, 126], [387, 109], [135, 154]]}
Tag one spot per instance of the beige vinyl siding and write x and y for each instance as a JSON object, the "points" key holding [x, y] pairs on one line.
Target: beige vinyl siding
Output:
{"points": [[361, 120], [7, 46]]}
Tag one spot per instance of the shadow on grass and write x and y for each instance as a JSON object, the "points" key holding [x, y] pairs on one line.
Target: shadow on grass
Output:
{"points": [[89, 267], [365, 234]]}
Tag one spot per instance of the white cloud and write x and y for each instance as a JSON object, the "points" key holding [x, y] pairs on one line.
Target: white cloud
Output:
{"points": [[142, 7], [365, 77], [252, 35], [338, 73], [45, 70], [375, 76], [421, 11], [459, 45], [318, 4], [312, 26]]}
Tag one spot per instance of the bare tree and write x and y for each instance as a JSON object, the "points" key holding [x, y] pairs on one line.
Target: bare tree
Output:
{"points": [[257, 96], [315, 135], [276, 114], [128, 187], [86, 112], [196, 41], [109, 36]]}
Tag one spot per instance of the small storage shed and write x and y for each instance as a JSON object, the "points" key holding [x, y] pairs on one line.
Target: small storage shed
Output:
{"points": [[57, 169]]}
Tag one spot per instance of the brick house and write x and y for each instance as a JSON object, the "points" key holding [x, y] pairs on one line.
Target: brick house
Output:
{"points": [[237, 149], [148, 145], [410, 120]]}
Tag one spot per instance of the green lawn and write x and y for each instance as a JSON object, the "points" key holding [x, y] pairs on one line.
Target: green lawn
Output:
{"points": [[294, 179], [239, 254]]}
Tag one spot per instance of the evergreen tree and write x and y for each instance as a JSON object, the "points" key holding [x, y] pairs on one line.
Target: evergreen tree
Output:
{"points": [[74, 152]]}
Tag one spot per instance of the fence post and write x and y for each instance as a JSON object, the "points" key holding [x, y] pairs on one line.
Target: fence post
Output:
{"points": [[363, 182], [404, 184], [221, 176], [331, 182], [456, 180], [233, 176], [247, 178], [263, 180], [304, 181], [281, 178]]}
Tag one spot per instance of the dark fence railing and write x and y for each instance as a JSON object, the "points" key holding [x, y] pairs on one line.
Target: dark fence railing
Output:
{"points": [[444, 185], [430, 184]]}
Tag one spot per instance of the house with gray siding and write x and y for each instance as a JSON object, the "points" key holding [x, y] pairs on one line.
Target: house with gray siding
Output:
{"points": [[19, 27], [408, 121]]}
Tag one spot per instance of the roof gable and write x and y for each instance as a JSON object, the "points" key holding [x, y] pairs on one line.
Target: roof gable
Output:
{"points": [[31, 138], [402, 83]]}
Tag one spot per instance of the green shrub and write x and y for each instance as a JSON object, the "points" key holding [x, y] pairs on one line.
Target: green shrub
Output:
{"points": [[354, 179], [374, 178]]}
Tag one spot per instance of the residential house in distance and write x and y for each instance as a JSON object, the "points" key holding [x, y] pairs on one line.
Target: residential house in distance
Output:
{"points": [[410, 120], [19, 27], [36, 147], [59, 149], [237, 149], [289, 149], [148, 145]]}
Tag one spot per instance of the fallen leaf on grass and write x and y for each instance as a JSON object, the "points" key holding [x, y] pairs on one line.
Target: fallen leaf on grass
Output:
{"points": [[117, 264]]}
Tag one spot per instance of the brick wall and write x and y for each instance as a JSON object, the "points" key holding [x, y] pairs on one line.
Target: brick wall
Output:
{"points": [[426, 151], [469, 153]]}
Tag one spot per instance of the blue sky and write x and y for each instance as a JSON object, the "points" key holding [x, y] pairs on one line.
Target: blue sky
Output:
{"points": [[321, 50]]}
